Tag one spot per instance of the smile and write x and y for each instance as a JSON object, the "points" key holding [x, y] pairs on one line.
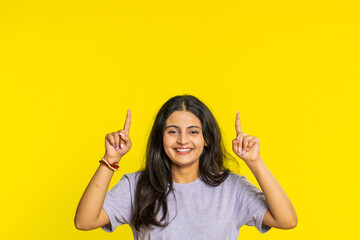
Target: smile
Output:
{"points": [[183, 150]]}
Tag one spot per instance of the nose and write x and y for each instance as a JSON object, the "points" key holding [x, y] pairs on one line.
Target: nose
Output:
{"points": [[183, 139]]}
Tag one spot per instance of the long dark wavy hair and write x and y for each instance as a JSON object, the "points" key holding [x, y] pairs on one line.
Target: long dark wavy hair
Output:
{"points": [[155, 181]]}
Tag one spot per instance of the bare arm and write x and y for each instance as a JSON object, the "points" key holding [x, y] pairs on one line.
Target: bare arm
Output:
{"points": [[90, 214], [281, 213]]}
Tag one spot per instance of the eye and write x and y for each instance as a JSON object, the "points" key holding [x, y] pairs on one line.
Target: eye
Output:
{"points": [[194, 132], [172, 132]]}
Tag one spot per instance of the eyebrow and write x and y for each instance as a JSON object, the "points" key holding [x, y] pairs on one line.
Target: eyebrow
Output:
{"points": [[174, 126]]}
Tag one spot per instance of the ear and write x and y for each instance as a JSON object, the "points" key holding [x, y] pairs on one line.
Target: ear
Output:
{"points": [[205, 144]]}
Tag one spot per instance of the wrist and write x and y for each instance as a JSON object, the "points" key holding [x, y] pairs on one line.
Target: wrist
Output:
{"points": [[253, 165], [114, 166], [106, 168], [112, 160]]}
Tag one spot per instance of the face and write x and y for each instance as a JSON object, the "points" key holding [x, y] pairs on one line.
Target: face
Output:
{"points": [[183, 139]]}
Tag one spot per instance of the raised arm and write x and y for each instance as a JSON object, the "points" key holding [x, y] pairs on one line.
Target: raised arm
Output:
{"points": [[281, 213], [89, 214]]}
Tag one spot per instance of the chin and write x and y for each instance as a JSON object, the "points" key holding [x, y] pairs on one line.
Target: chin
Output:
{"points": [[183, 162]]}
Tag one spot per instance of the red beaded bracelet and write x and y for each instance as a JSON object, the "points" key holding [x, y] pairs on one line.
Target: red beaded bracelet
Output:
{"points": [[114, 167]]}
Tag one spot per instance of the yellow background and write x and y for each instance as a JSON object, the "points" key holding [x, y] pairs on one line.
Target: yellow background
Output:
{"points": [[70, 69]]}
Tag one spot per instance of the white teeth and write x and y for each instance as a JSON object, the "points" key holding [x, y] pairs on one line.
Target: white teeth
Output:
{"points": [[183, 150]]}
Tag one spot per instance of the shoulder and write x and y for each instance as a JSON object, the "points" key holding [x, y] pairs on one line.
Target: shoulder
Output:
{"points": [[235, 178], [239, 182], [126, 183], [232, 181], [132, 178]]}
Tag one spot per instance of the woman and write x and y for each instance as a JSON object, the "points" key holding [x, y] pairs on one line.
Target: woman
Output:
{"points": [[184, 192]]}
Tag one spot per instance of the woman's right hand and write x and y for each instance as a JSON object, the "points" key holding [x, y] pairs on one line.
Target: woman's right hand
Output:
{"points": [[117, 144]]}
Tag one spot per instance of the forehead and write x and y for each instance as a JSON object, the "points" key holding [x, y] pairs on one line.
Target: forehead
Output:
{"points": [[183, 118]]}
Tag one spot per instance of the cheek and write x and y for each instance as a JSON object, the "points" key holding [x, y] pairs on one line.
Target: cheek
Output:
{"points": [[167, 141], [165, 145], [200, 143]]}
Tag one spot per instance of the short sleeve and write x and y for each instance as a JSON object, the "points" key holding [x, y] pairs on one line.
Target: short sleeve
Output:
{"points": [[118, 204], [252, 205]]}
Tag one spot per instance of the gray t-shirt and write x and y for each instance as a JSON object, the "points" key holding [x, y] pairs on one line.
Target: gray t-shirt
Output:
{"points": [[202, 212]]}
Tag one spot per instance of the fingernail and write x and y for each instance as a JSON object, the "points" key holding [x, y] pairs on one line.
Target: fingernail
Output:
{"points": [[121, 134], [247, 149], [122, 146], [238, 137], [114, 145], [243, 152], [117, 148], [239, 149]]}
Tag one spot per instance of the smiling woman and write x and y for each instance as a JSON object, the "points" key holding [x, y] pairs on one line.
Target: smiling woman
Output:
{"points": [[185, 191], [186, 127], [183, 144]]}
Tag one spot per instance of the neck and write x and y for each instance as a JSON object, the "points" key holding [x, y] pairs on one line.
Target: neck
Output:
{"points": [[185, 174]]}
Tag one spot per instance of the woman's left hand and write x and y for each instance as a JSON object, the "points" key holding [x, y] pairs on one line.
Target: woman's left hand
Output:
{"points": [[245, 146]]}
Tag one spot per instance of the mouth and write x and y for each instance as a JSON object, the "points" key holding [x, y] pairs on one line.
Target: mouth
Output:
{"points": [[183, 151]]}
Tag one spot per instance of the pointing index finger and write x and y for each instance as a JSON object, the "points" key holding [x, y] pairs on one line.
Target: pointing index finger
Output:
{"points": [[237, 124], [128, 120]]}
